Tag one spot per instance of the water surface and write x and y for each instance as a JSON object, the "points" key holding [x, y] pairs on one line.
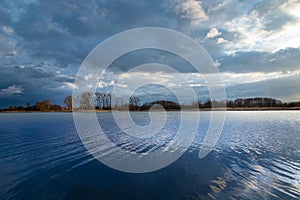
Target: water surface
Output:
{"points": [[256, 157]]}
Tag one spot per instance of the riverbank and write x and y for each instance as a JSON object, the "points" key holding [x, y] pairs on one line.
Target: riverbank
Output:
{"points": [[187, 109], [252, 109]]}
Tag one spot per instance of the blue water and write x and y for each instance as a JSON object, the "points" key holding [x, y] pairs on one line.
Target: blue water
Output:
{"points": [[256, 157]]}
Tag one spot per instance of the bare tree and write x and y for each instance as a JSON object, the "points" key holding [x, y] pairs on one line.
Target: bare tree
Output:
{"points": [[86, 101], [103, 101], [109, 97], [98, 100], [134, 102], [43, 105], [68, 102], [28, 106]]}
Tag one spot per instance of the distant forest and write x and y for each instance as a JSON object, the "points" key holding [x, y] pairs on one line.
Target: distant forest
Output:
{"points": [[108, 101]]}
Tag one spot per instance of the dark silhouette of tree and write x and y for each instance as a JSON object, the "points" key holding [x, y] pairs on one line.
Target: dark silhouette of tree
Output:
{"points": [[229, 103], [56, 107], [109, 97], [20, 108], [98, 100], [207, 104], [103, 100], [43, 105], [68, 102], [87, 101], [134, 103], [28, 106], [168, 105]]}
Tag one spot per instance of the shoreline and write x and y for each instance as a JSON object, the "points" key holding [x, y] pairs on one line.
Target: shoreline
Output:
{"points": [[201, 109]]}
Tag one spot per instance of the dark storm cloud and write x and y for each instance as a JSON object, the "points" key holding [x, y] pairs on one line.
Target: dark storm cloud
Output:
{"points": [[33, 72], [282, 60], [36, 84], [62, 33], [42, 43], [285, 88], [67, 30], [139, 57]]}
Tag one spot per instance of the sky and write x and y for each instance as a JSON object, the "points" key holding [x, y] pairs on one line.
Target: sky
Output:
{"points": [[255, 45]]}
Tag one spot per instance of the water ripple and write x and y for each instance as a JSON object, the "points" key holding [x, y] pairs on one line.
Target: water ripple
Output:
{"points": [[257, 157]]}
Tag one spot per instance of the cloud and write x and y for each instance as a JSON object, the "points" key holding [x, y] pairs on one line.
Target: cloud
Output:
{"points": [[221, 40], [189, 9], [103, 84], [285, 88], [217, 6], [236, 84], [292, 7], [7, 30], [64, 78], [68, 85], [255, 61], [213, 33], [231, 79], [7, 46], [12, 90], [129, 60], [44, 42], [266, 29]]}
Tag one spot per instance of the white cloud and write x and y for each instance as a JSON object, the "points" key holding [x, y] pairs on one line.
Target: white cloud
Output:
{"points": [[65, 86], [221, 40], [233, 79], [103, 84], [7, 30], [189, 9], [182, 80], [12, 90], [70, 86], [213, 33], [89, 77], [250, 32], [217, 63], [196, 85], [292, 7], [218, 7], [130, 82]]}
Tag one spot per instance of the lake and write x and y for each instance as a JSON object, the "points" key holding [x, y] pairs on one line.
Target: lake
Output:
{"points": [[257, 157]]}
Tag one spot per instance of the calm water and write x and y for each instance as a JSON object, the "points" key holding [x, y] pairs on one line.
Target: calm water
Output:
{"points": [[256, 157]]}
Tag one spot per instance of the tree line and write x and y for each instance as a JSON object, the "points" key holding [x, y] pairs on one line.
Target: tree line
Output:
{"points": [[108, 101], [42, 106], [104, 101]]}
